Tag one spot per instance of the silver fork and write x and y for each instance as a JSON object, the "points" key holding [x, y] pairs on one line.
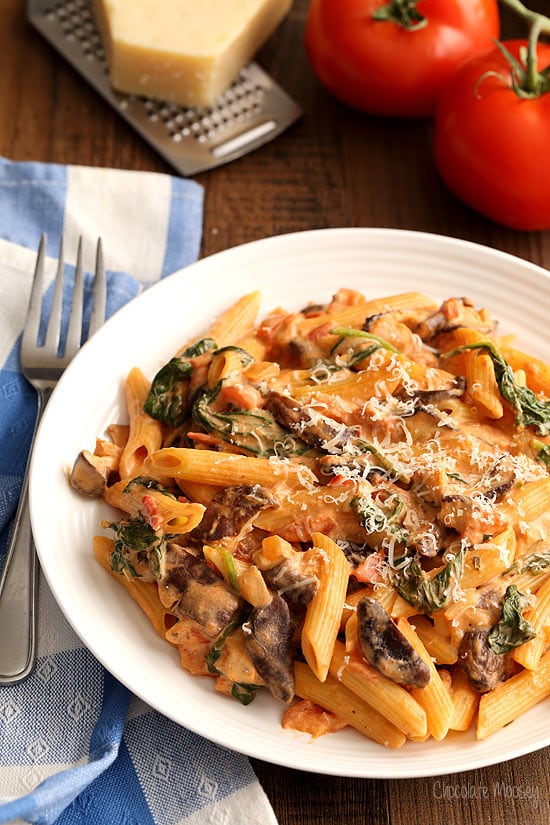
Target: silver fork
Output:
{"points": [[42, 365]]}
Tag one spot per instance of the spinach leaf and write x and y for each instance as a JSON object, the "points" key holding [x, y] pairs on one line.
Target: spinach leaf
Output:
{"points": [[375, 519], [536, 562], [215, 651], [243, 692], [149, 484], [513, 629], [246, 358], [543, 452], [423, 593], [136, 544], [240, 617], [356, 349], [254, 431], [351, 332], [394, 470], [529, 410], [167, 400], [199, 348], [457, 477]]}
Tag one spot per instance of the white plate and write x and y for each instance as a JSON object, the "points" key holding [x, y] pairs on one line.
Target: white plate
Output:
{"points": [[290, 270]]}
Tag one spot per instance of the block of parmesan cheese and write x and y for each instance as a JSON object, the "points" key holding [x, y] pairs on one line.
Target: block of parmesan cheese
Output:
{"points": [[183, 51]]}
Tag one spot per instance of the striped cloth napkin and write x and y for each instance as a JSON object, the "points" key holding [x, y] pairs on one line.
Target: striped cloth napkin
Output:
{"points": [[76, 748]]}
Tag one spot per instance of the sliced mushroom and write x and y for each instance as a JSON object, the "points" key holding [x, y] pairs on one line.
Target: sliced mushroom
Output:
{"points": [[90, 473], [289, 578], [484, 668], [363, 465], [385, 647], [315, 429], [313, 309], [268, 643], [454, 313], [190, 588], [304, 353], [289, 571], [426, 398], [231, 512], [466, 515], [429, 542], [494, 484], [470, 510], [489, 487]]}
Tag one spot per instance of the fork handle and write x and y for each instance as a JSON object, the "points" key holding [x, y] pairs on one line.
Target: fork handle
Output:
{"points": [[19, 590]]}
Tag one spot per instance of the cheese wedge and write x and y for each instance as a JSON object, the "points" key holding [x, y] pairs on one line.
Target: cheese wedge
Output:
{"points": [[183, 51]]}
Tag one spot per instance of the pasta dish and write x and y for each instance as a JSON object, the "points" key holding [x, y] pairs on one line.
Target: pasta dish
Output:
{"points": [[347, 506]]}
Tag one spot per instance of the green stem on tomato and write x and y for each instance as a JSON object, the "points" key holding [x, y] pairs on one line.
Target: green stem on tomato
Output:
{"points": [[532, 70], [534, 82], [401, 12]]}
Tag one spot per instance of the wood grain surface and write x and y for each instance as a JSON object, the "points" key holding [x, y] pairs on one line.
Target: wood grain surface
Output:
{"points": [[335, 167]]}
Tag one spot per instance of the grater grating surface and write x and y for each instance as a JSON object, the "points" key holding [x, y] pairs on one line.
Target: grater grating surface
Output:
{"points": [[253, 111]]}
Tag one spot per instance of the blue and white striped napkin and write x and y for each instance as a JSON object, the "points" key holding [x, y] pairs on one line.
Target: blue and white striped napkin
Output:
{"points": [[76, 748]]}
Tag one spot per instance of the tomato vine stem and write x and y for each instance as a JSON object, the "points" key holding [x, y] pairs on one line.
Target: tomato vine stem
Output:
{"points": [[531, 82]]}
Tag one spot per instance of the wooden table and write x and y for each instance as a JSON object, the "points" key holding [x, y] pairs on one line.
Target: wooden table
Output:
{"points": [[336, 167]]}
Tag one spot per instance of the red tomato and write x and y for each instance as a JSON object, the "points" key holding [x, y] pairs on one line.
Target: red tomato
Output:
{"points": [[492, 148], [383, 68]]}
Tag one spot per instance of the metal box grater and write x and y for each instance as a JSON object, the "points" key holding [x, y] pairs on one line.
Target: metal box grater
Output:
{"points": [[253, 111]]}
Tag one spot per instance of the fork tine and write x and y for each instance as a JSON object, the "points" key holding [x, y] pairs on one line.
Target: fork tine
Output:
{"points": [[74, 332], [100, 292], [32, 324], [54, 323]]}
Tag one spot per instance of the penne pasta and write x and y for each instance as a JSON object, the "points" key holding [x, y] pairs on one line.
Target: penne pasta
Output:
{"points": [[434, 698], [145, 434], [382, 376], [529, 654], [237, 322], [336, 698], [145, 594], [480, 374], [354, 316], [488, 560], [509, 700], [324, 611], [537, 373], [530, 501], [465, 702], [164, 511], [350, 505], [301, 512], [388, 698], [441, 650], [222, 469], [226, 365]]}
